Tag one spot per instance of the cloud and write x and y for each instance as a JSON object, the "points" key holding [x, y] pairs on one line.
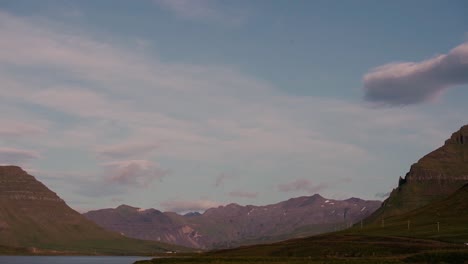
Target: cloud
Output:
{"points": [[229, 119], [302, 185], [125, 150], [243, 194], [180, 206], [139, 173], [13, 156], [406, 83], [200, 10], [382, 195], [11, 128]]}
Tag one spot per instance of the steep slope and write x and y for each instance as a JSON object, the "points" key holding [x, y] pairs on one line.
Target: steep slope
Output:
{"points": [[234, 225], [434, 177], [32, 216], [445, 219]]}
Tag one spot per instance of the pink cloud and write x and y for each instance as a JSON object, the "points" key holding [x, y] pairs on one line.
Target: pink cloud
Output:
{"points": [[243, 194], [302, 185], [13, 156], [138, 173]]}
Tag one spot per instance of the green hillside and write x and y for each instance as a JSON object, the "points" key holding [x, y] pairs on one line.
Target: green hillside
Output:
{"points": [[445, 220]]}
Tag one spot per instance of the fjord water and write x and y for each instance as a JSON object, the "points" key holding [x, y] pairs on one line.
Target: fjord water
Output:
{"points": [[69, 259]]}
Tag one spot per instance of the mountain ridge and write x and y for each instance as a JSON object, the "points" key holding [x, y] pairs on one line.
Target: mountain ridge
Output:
{"points": [[233, 224]]}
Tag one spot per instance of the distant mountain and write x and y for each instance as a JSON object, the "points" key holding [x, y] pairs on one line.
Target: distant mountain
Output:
{"points": [[434, 177], [234, 225], [34, 217]]}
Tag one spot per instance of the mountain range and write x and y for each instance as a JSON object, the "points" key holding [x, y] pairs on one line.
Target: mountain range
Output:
{"points": [[233, 224], [429, 205]]}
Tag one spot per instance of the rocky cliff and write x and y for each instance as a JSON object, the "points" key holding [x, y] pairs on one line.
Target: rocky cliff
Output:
{"points": [[435, 176], [233, 224]]}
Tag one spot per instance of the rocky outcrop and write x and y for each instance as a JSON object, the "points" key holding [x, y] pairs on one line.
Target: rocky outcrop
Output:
{"points": [[435, 176], [233, 224]]}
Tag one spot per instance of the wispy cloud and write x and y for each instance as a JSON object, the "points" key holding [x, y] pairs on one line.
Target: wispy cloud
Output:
{"points": [[126, 150], [406, 83], [13, 156], [138, 173], [11, 128], [200, 10], [181, 206], [229, 119], [243, 194], [302, 185]]}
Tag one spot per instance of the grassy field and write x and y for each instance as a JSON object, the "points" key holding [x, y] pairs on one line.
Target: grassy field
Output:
{"points": [[444, 220], [334, 248]]}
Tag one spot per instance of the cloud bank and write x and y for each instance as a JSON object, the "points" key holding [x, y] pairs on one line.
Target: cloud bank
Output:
{"points": [[416, 82]]}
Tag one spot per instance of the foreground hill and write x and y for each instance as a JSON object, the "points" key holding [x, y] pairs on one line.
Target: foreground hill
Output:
{"points": [[445, 219], [234, 225], [34, 217]]}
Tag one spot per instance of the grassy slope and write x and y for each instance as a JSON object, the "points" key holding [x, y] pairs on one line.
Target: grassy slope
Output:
{"points": [[451, 213]]}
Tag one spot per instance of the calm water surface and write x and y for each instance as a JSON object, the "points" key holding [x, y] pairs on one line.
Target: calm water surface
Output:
{"points": [[68, 260]]}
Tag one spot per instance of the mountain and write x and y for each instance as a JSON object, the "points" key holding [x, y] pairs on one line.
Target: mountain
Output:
{"points": [[34, 217], [233, 224], [434, 177]]}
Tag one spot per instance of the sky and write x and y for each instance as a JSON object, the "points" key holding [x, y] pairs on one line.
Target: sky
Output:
{"points": [[183, 105]]}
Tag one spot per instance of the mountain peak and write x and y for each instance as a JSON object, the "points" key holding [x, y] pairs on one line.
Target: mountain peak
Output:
{"points": [[11, 170], [459, 137], [125, 207]]}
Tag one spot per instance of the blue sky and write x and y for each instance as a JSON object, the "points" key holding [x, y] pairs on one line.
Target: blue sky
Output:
{"points": [[182, 105]]}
